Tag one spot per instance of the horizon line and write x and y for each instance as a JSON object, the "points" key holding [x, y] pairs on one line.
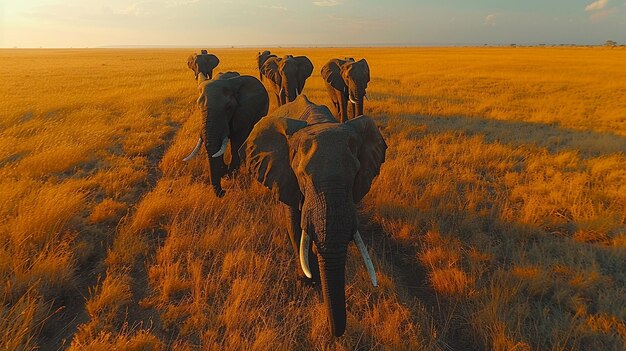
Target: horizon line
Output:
{"points": [[364, 45]]}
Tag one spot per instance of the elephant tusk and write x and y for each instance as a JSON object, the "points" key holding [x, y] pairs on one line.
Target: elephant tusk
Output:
{"points": [[222, 149], [352, 100], [366, 257], [195, 151], [305, 242], [366, 98]]}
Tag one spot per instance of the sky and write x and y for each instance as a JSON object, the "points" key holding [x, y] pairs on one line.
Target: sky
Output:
{"points": [[213, 23]]}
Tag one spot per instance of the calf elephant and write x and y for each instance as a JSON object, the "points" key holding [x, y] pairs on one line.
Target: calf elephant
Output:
{"points": [[230, 107], [321, 169], [286, 76], [203, 63], [261, 57], [346, 81]]}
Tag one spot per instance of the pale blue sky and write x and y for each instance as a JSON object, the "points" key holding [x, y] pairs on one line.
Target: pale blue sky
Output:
{"points": [[80, 23]]}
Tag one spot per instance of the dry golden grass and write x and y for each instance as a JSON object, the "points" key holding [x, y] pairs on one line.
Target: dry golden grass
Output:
{"points": [[498, 221]]}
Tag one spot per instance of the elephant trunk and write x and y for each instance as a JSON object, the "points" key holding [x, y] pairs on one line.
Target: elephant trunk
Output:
{"points": [[329, 216], [290, 89], [357, 96], [332, 275], [218, 170], [359, 107], [215, 135]]}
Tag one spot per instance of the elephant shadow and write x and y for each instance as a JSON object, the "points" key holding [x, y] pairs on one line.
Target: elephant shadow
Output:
{"points": [[400, 231]]}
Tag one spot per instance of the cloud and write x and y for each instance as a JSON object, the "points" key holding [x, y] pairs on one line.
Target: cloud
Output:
{"points": [[602, 15], [597, 5], [277, 7], [145, 8], [490, 20], [327, 2]]}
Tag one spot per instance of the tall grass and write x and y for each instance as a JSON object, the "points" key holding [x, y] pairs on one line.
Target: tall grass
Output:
{"points": [[498, 221]]}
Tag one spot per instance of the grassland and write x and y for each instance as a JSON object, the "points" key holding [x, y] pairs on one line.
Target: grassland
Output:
{"points": [[498, 221]]}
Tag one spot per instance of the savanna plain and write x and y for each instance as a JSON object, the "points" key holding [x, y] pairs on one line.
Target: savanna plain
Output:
{"points": [[498, 221]]}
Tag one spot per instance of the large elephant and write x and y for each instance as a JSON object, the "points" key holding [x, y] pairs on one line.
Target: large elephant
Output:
{"points": [[230, 107], [261, 57], [320, 170], [346, 81], [286, 76], [203, 63]]}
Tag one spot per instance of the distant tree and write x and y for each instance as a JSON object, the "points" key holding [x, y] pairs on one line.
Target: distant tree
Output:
{"points": [[513, 45], [610, 43]]}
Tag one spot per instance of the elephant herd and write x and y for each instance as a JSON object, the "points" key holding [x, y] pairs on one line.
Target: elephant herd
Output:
{"points": [[320, 164]]}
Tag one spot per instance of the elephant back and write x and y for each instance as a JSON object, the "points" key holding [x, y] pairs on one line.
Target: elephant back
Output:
{"points": [[303, 109]]}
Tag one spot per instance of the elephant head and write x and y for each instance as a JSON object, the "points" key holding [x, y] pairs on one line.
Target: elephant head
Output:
{"points": [[289, 75], [203, 63], [261, 57], [230, 108], [228, 75], [325, 167], [351, 78]]}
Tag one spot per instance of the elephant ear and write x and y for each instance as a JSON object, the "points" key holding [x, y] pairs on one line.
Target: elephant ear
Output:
{"points": [[331, 73], [370, 153], [305, 69], [191, 62], [250, 102], [212, 61], [367, 69], [270, 70], [267, 156]]}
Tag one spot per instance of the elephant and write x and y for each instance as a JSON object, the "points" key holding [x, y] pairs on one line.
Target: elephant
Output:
{"points": [[346, 81], [320, 169], [286, 76], [261, 57], [204, 63], [230, 107]]}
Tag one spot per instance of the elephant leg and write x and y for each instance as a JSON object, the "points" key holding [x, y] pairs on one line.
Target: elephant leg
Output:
{"points": [[332, 93], [235, 143], [210, 74], [295, 233]]}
